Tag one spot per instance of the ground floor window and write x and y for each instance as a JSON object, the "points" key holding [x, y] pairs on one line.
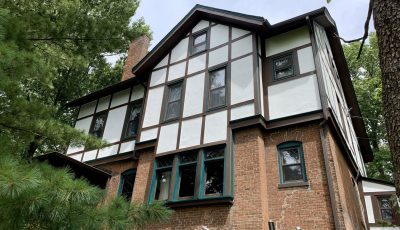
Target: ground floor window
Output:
{"points": [[126, 184], [199, 174]]}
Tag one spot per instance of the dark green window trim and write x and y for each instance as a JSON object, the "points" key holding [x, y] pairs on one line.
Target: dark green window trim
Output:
{"points": [[128, 172], [286, 146], [200, 180]]}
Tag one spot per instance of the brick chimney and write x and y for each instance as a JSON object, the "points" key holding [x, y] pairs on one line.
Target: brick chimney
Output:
{"points": [[137, 50]]}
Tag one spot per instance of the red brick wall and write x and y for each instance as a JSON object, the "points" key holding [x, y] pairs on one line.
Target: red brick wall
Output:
{"points": [[137, 50]]}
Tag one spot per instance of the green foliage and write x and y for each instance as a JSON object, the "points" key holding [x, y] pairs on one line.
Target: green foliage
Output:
{"points": [[52, 52], [366, 77], [37, 196]]}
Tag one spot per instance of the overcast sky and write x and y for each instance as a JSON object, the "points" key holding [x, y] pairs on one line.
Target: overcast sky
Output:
{"points": [[163, 15]]}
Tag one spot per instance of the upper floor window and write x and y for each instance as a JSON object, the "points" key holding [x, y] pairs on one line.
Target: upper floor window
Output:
{"points": [[132, 120], [283, 67], [217, 88], [174, 101], [126, 184], [291, 162], [199, 42], [98, 124], [385, 208]]}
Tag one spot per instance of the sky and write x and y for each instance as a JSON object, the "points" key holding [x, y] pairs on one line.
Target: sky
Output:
{"points": [[163, 15]]}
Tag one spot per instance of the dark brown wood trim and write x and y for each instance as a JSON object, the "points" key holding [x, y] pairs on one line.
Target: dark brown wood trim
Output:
{"points": [[388, 193], [264, 76], [256, 82], [111, 159], [145, 144], [209, 201]]}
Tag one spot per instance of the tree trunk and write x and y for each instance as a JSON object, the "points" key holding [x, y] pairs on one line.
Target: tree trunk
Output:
{"points": [[387, 24]]}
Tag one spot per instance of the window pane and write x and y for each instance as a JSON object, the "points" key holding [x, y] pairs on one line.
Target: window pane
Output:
{"points": [[284, 73], [200, 39], [385, 202], [386, 214], [290, 156], [165, 162], [187, 180], [214, 153], [283, 62], [133, 121], [292, 173], [175, 92], [128, 182], [162, 186], [217, 79], [215, 177], [98, 126], [173, 110], [188, 157], [217, 97]]}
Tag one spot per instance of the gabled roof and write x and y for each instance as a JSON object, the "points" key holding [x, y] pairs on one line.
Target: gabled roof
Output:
{"points": [[248, 22]]}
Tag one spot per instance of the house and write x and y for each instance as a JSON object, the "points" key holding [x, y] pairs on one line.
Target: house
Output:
{"points": [[234, 122], [379, 198]]}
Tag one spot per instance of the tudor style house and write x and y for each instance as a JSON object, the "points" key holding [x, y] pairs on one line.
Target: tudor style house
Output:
{"points": [[235, 124]]}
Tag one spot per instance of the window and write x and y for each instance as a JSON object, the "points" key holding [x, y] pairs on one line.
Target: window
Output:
{"points": [[283, 67], [385, 208], [291, 162], [199, 42], [163, 178], [174, 101], [132, 120], [216, 96], [126, 184], [197, 175], [98, 125]]}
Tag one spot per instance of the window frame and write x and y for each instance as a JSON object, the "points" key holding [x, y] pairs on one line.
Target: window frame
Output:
{"points": [[121, 182], [379, 198], [291, 145], [159, 169], [167, 102], [126, 121], [292, 64], [102, 113], [200, 179], [193, 38], [209, 90]]}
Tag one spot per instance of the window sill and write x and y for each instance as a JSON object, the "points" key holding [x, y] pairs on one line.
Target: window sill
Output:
{"points": [[294, 184], [206, 201], [192, 55]]}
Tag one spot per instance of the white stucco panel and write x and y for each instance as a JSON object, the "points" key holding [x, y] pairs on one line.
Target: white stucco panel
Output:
{"points": [[176, 71], [103, 104], [163, 62], [84, 125], [127, 146], [219, 35], [89, 155], [242, 80], [148, 134], [137, 92], [77, 157], [158, 77], [293, 97], [87, 109], [168, 138], [236, 32], [153, 107], [242, 47], [197, 63], [114, 125], [215, 127], [287, 41], [190, 132], [180, 51], [370, 209], [120, 97], [242, 111], [194, 95], [218, 56], [201, 25], [108, 151], [306, 60]]}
